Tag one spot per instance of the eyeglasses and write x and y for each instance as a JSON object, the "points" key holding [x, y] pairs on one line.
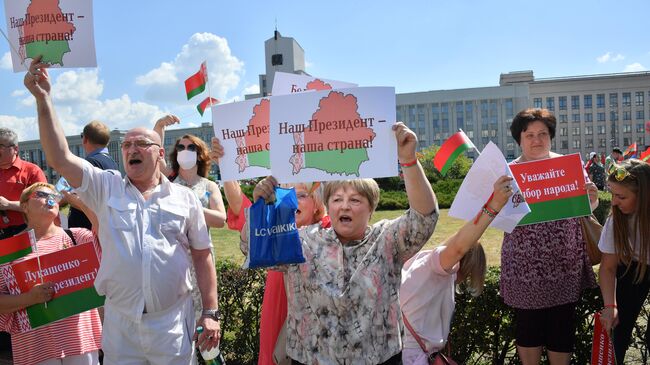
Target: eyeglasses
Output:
{"points": [[618, 172], [189, 147], [141, 143], [47, 196], [3, 146]]}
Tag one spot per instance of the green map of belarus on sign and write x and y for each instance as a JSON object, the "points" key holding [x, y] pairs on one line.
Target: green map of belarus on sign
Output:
{"points": [[46, 31], [332, 150]]}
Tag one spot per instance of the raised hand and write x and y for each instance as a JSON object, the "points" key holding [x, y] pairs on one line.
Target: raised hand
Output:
{"points": [[37, 80]]}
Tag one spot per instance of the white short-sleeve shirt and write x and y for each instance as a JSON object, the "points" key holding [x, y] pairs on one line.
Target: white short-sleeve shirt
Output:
{"points": [[145, 257], [606, 242]]}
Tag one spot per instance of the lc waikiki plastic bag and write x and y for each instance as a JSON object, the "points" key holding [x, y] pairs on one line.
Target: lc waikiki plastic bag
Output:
{"points": [[272, 234]]}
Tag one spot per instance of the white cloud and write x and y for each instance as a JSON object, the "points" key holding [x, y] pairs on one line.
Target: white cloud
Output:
{"points": [[5, 61], [165, 83], [25, 128], [607, 57], [77, 99], [308, 65], [634, 67]]}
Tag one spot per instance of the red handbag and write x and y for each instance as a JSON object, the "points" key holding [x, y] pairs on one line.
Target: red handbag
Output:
{"points": [[434, 358]]}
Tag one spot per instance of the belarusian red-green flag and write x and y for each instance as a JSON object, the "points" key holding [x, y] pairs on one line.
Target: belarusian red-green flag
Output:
{"points": [[17, 246], [195, 84], [450, 150], [645, 156], [207, 102]]}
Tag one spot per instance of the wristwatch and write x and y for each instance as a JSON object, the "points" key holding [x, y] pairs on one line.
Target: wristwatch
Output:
{"points": [[212, 313]]}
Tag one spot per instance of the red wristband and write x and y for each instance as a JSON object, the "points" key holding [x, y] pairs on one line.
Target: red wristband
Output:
{"points": [[611, 306], [409, 164]]}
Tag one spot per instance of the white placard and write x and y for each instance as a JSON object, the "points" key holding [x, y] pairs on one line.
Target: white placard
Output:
{"points": [[333, 135], [288, 83], [61, 31], [478, 186]]}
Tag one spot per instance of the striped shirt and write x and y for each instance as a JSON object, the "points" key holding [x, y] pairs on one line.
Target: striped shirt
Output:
{"points": [[75, 335]]}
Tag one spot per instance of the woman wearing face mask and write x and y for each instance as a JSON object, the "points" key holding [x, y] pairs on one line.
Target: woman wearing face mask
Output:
{"points": [[190, 166]]}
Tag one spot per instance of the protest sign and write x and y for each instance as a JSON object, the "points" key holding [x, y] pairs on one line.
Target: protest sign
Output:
{"points": [[289, 83], [243, 129], [72, 270], [477, 187], [333, 134], [554, 188], [60, 31], [602, 350]]}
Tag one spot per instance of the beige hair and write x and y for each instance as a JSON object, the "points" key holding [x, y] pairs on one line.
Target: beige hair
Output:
{"points": [[473, 267], [97, 133], [24, 196], [366, 187], [315, 190]]}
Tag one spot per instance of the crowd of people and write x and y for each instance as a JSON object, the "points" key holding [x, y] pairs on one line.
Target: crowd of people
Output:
{"points": [[366, 293]]}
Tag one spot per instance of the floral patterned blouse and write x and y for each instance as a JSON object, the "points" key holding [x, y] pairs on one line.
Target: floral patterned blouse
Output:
{"points": [[545, 265], [343, 304]]}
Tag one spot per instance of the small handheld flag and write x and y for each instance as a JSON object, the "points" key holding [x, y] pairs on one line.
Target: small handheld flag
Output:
{"points": [[645, 156], [207, 102], [630, 150], [195, 84], [450, 150], [17, 246]]}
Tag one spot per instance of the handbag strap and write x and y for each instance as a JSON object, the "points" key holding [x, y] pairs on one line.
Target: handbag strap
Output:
{"points": [[415, 335]]}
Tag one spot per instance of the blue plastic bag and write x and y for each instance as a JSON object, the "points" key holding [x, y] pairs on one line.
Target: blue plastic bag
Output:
{"points": [[272, 232]]}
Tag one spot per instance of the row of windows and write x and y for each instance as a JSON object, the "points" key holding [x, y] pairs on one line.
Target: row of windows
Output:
{"points": [[463, 110], [600, 116], [589, 143], [626, 101], [589, 130]]}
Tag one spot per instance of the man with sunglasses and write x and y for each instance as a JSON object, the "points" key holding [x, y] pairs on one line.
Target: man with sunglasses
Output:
{"points": [[15, 176], [147, 225], [94, 139]]}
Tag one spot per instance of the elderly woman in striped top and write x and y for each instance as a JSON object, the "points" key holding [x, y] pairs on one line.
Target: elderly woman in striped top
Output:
{"points": [[74, 340]]}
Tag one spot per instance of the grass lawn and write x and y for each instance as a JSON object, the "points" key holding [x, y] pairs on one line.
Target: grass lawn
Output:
{"points": [[226, 242]]}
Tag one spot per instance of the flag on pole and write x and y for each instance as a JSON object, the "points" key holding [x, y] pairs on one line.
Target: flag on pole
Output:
{"points": [[645, 156], [207, 102], [630, 150], [17, 246], [195, 84], [450, 150]]}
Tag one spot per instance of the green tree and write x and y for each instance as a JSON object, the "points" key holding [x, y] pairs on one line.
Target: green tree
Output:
{"points": [[458, 169]]}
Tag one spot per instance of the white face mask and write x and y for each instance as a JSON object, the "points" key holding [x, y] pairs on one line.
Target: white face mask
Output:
{"points": [[186, 159]]}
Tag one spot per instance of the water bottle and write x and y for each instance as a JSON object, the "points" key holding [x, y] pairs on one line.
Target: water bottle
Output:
{"points": [[209, 357]]}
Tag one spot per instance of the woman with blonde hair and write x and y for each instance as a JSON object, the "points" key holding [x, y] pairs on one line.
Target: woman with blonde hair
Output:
{"points": [[430, 277], [625, 243], [72, 340], [311, 210], [343, 301]]}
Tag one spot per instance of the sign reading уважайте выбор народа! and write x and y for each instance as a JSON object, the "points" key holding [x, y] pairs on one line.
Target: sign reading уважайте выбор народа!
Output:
{"points": [[333, 134], [60, 31], [554, 188]]}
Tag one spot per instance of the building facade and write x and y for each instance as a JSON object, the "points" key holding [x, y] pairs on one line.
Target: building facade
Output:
{"points": [[594, 113]]}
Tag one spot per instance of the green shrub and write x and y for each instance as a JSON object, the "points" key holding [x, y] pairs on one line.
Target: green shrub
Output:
{"points": [[482, 328]]}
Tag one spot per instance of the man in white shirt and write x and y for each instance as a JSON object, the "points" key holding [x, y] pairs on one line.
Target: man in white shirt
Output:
{"points": [[146, 226]]}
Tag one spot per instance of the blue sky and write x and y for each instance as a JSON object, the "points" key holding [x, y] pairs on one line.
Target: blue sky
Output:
{"points": [[146, 49]]}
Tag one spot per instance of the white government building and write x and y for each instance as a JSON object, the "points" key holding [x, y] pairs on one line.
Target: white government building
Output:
{"points": [[594, 112]]}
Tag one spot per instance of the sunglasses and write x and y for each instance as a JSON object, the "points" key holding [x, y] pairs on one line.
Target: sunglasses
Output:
{"points": [[189, 147], [141, 143], [618, 172], [3, 146], [47, 196]]}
